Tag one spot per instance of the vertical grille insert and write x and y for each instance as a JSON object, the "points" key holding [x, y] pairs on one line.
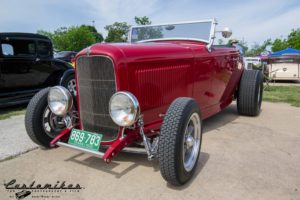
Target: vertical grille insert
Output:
{"points": [[96, 84]]}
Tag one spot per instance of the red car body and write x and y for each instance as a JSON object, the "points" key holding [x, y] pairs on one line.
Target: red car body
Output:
{"points": [[152, 92], [159, 72]]}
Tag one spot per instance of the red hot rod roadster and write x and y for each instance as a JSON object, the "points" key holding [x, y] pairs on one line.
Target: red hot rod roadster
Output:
{"points": [[152, 92]]}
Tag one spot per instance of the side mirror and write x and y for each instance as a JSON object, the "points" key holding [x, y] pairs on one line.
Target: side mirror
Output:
{"points": [[226, 32]]}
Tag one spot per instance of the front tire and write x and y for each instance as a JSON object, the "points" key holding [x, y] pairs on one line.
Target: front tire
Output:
{"points": [[250, 93], [70, 84], [40, 123], [180, 141]]}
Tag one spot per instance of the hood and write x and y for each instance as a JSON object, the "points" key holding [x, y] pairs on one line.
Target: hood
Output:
{"points": [[131, 52]]}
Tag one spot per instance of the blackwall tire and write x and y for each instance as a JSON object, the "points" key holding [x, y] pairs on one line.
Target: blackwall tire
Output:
{"points": [[70, 84], [250, 93], [34, 119], [177, 157]]}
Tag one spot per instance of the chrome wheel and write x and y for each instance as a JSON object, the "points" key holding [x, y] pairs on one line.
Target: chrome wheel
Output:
{"points": [[72, 86], [180, 141], [191, 142], [52, 123]]}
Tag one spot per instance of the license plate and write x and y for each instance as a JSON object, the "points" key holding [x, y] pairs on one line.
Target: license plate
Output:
{"points": [[85, 139]]}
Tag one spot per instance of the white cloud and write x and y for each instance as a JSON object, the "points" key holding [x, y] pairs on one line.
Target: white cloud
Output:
{"points": [[31, 15], [253, 20], [274, 27], [105, 13]]}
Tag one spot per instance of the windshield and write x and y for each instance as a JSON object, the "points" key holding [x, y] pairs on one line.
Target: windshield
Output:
{"points": [[199, 31], [61, 54]]}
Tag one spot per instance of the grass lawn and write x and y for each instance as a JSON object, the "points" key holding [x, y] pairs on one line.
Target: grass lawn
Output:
{"points": [[11, 111], [287, 94]]}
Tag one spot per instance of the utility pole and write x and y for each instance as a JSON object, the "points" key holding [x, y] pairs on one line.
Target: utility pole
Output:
{"points": [[93, 22]]}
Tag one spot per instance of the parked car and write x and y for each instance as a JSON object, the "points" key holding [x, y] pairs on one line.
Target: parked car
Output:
{"points": [[66, 56], [253, 63], [27, 66], [154, 92]]}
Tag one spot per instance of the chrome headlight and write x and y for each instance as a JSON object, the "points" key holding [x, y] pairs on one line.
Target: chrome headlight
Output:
{"points": [[124, 108], [60, 100]]}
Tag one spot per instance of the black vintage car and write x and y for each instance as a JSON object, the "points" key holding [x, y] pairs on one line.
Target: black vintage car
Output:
{"points": [[27, 66]]}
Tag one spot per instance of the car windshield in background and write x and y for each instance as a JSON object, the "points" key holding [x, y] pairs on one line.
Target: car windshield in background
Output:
{"points": [[199, 31], [61, 54]]}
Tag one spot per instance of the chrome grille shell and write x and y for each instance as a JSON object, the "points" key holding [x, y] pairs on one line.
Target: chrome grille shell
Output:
{"points": [[96, 84]]}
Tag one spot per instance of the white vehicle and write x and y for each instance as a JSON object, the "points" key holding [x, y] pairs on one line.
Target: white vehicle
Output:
{"points": [[252, 63], [284, 67]]}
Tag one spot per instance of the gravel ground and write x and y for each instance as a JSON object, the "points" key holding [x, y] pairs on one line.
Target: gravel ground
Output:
{"points": [[13, 138], [241, 158]]}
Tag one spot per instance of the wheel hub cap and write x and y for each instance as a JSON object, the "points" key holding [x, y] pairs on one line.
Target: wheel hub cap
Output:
{"points": [[72, 86], [52, 124], [192, 141]]}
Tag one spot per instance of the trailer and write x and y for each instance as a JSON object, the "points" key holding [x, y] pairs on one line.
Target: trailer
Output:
{"points": [[285, 67]]}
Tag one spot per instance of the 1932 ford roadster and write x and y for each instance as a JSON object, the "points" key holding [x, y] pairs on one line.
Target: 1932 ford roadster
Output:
{"points": [[151, 92]]}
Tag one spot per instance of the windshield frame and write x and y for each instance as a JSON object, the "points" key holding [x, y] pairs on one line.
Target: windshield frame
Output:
{"points": [[208, 42]]}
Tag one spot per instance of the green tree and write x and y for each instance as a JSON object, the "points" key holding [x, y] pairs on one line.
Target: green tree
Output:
{"points": [[74, 38], [117, 32], [258, 49], [59, 39], [45, 33], [279, 45], [294, 39], [98, 36], [142, 20]]}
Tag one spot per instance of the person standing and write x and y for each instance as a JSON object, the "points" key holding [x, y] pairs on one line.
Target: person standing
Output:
{"points": [[235, 43]]}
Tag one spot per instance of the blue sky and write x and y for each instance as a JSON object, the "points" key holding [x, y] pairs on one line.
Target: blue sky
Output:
{"points": [[254, 20]]}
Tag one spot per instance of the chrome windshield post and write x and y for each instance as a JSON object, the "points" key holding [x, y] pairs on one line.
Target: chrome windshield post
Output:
{"points": [[212, 35]]}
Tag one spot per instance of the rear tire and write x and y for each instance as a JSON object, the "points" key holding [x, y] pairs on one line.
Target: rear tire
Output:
{"points": [[37, 116], [250, 93], [180, 141]]}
